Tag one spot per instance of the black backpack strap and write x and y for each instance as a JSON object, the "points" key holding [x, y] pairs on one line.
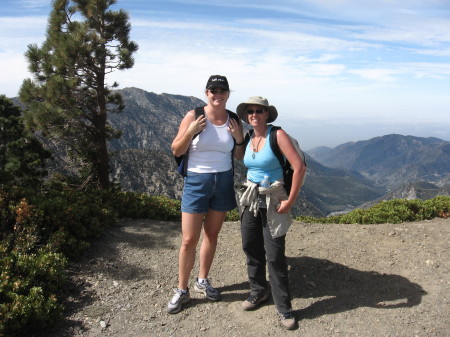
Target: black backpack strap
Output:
{"points": [[274, 145], [233, 115], [247, 137], [200, 110], [284, 163], [236, 117]]}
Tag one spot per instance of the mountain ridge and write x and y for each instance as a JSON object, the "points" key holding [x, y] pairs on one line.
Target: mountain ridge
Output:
{"points": [[392, 160], [141, 159]]}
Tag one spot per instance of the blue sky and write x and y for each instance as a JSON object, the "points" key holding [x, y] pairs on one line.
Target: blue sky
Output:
{"points": [[337, 71]]}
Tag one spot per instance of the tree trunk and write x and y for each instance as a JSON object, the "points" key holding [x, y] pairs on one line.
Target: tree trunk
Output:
{"points": [[102, 165], [102, 150]]}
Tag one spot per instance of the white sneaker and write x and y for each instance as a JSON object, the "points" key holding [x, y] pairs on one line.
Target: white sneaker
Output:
{"points": [[206, 288], [177, 301]]}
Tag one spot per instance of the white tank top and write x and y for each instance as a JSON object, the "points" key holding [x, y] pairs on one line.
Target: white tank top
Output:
{"points": [[211, 150]]}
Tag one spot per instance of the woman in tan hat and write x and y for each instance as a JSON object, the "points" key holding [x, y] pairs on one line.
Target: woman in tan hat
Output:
{"points": [[265, 210]]}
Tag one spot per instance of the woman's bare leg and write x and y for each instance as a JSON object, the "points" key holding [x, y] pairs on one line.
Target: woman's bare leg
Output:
{"points": [[211, 228], [191, 227]]}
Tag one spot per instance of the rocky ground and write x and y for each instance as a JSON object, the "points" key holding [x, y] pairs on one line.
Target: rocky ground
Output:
{"points": [[346, 280]]}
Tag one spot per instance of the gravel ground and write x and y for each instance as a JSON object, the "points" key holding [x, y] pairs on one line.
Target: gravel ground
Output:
{"points": [[346, 280]]}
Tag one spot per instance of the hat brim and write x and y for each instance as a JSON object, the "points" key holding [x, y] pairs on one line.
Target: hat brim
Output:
{"points": [[218, 86], [241, 111]]}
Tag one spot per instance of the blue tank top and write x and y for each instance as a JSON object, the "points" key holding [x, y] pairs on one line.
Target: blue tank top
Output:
{"points": [[264, 163]]}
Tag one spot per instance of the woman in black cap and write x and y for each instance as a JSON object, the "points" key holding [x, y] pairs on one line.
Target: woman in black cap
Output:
{"points": [[208, 193], [265, 207]]}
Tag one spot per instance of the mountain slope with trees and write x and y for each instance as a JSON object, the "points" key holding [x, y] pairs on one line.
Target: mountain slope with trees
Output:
{"points": [[143, 161]]}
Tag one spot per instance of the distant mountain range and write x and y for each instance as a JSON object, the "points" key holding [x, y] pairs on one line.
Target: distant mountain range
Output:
{"points": [[392, 160], [339, 179]]}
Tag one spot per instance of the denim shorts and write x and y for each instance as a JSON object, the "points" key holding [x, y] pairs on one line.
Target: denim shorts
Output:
{"points": [[204, 191]]}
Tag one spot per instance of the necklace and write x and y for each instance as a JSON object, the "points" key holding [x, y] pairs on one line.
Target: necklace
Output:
{"points": [[255, 148]]}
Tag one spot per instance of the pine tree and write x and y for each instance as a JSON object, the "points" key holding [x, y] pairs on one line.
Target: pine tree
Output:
{"points": [[69, 99], [22, 157]]}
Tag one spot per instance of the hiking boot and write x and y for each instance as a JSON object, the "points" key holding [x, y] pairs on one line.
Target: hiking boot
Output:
{"points": [[177, 301], [287, 319], [253, 301], [207, 289]]}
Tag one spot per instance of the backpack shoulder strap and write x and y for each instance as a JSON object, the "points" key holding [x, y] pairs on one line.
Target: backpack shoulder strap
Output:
{"points": [[200, 110], [274, 145], [247, 137], [236, 117], [233, 115]]}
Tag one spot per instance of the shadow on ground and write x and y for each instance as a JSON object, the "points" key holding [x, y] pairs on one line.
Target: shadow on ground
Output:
{"points": [[339, 288], [102, 257]]}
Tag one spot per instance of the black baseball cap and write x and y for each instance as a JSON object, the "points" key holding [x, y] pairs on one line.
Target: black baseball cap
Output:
{"points": [[217, 81]]}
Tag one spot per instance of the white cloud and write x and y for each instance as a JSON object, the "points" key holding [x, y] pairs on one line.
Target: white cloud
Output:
{"points": [[17, 32], [32, 4], [378, 75], [13, 70]]}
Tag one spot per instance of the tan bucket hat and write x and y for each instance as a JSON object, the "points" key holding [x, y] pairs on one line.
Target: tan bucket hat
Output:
{"points": [[257, 100]]}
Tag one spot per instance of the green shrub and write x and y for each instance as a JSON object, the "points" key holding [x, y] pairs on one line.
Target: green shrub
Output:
{"points": [[160, 207], [31, 273], [436, 207], [391, 211], [141, 205], [73, 217], [233, 215], [37, 238]]}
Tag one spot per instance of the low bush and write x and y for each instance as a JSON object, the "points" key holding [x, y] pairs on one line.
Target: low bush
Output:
{"points": [[31, 272], [39, 234], [73, 217], [233, 215], [391, 211], [141, 205]]}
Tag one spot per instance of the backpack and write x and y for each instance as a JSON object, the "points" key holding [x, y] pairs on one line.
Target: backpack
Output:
{"points": [[284, 163], [182, 161]]}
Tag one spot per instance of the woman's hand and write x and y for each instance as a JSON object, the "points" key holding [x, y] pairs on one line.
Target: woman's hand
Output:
{"points": [[197, 125], [236, 130], [189, 127], [284, 207]]}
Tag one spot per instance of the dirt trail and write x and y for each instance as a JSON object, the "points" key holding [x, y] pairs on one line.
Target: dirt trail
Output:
{"points": [[346, 280]]}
